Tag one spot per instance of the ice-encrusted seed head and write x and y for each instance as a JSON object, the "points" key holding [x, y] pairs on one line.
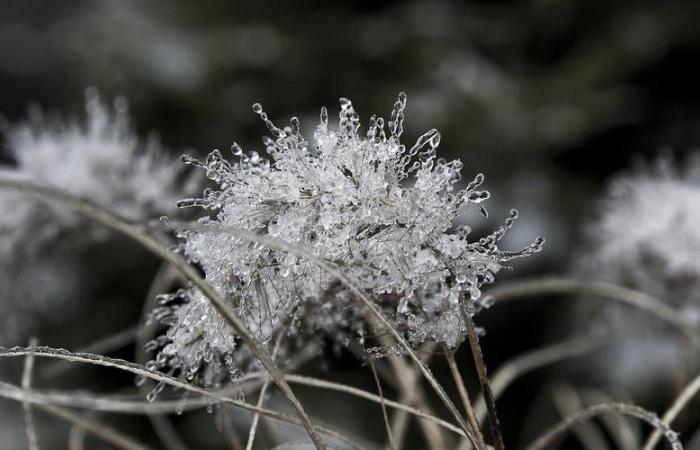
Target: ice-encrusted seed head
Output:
{"points": [[100, 159], [647, 234], [381, 212]]}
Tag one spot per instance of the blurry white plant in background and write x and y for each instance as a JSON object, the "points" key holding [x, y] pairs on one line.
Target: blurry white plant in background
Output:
{"points": [[101, 159], [382, 213], [647, 237]]}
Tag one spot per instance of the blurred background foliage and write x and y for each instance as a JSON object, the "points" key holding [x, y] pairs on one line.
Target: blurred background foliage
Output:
{"points": [[547, 97]]}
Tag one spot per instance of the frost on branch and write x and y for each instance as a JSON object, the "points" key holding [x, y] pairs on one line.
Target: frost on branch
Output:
{"points": [[381, 212], [101, 159]]}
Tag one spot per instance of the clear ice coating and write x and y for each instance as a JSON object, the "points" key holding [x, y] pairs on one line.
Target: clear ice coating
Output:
{"points": [[366, 203]]}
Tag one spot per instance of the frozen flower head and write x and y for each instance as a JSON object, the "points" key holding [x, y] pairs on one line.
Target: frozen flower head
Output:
{"points": [[379, 211], [646, 237], [100, 158], [648, 233]]}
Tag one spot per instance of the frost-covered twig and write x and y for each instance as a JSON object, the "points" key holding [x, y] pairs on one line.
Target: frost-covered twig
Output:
{"points": [[670, 415], [30, 430], [652, 419], [104, 345], [130, 407], [567, 401], [109, 219]]}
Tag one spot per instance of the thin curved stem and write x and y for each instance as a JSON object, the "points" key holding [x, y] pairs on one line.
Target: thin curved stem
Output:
{"points": [[527, 362], [569, 286], [97, 429], [670, 415], [481, 371], [166, 407], [385, 416], [261, 398], [150, 374], [29, 429], [464, 395], [116, 223], [621, 408]]}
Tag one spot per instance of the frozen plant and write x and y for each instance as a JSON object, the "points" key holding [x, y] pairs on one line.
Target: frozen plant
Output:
{"points": [[647, 234], [101, 159], [381, 212], [646, 237]]}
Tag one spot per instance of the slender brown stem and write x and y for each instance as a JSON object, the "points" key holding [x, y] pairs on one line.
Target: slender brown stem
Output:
{"points": [[674, 410], [390, 438], [407, 379], [569, 286], [261, 397], [526, 362], [30, 430], [482, 372], [97, 429], [116, 223], [560, 428], [464, 395], [13, 392]]}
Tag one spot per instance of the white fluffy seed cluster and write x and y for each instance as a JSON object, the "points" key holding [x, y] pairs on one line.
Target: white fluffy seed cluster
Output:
{"points": [[379, 211], [647, 234], [100, 159]]}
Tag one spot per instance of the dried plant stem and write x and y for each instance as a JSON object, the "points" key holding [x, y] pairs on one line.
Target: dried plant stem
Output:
{"points": [[619, 427], [464, 395], [361, 295], [15, 393], [261, 397], [29, 429], [76, 437], [621, 408], [114, 222], [230, 434], [670, 415], [95, 428], [323, 384], [568, 401], [385, 416], [569, 286], [106, 404], [102, 346], [522, 364], [482, 372], [256, 416], [407, 379]]}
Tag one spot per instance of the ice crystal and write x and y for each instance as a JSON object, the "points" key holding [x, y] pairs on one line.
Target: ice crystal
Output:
{"points": [[101, 159], [383, 213]]}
